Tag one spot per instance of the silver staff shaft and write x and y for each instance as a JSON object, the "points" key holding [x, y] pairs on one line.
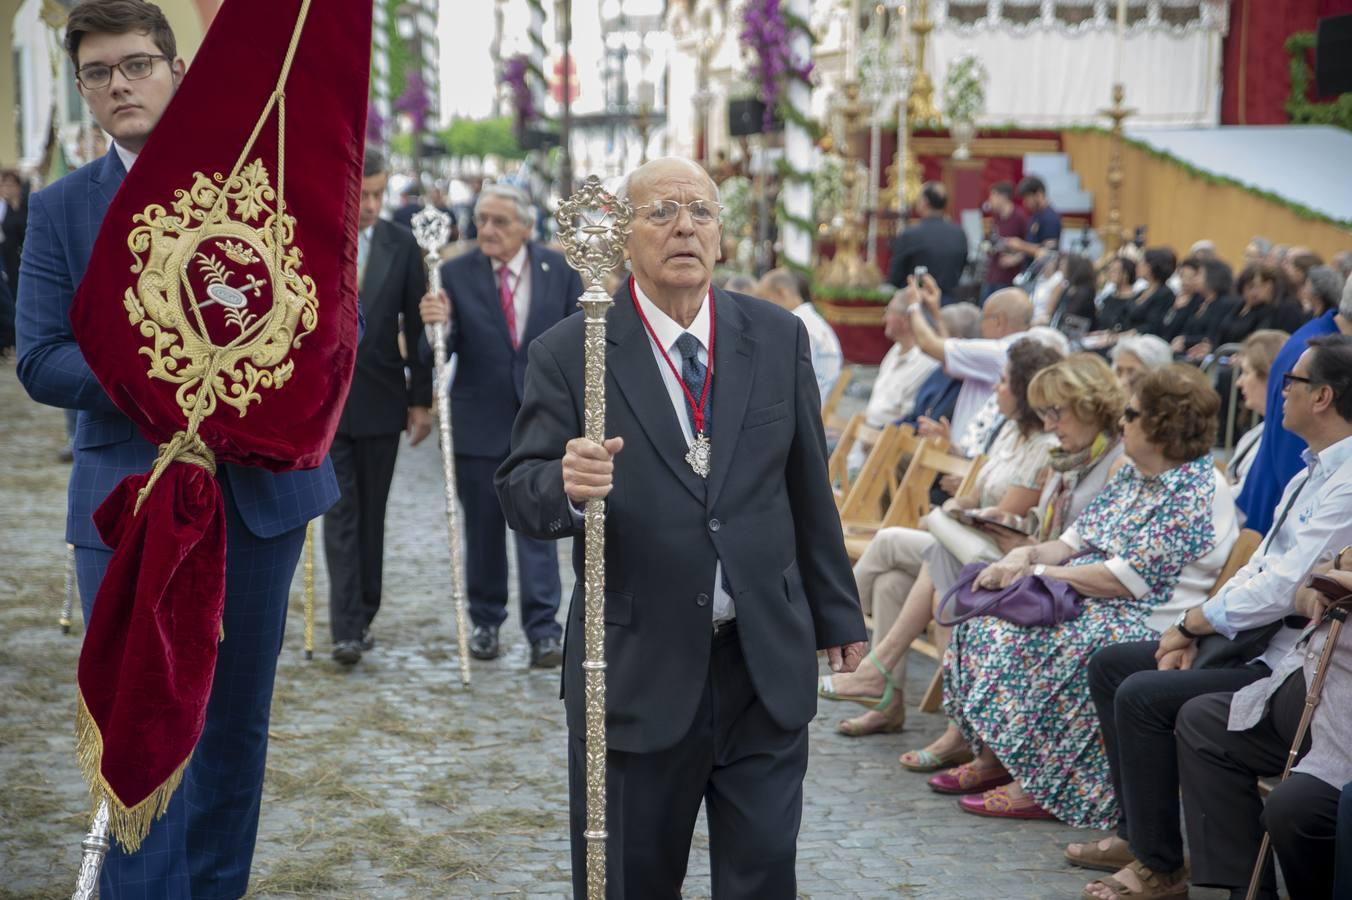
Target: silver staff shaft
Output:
{"points": [[593, 227], [432, 229], [95, 848], [68, 602], [441, 379]]}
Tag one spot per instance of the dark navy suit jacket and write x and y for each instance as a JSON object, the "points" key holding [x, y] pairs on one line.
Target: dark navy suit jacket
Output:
{"points": [[63, 222], [490, 375]]}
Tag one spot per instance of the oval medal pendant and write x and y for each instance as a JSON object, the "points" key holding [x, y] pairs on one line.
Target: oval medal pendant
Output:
{"points": [[700, 455]]}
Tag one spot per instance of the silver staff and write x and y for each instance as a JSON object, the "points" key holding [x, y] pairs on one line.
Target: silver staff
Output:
{"points": [[94, 848], [432, 228], [593, 227], [68, 603]]}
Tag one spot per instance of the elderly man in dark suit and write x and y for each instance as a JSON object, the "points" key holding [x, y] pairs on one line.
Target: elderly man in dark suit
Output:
{"points": [[934, 243], [382, 403], [498, 299], [721, 582]]}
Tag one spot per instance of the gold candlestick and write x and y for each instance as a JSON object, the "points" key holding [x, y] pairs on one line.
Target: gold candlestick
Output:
{"points": [[1113, 233], [920, 104], [593, 228]]}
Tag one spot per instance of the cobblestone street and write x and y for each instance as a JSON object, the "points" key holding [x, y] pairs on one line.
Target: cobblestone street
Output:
{"points": [[390, 780]]}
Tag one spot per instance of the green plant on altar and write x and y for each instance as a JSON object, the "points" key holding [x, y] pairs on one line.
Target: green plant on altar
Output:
{"points": [[827, 194], [965, 88], [1299, 107]]}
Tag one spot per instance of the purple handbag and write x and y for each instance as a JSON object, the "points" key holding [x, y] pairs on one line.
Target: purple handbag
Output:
{"points": [[1032, 600]]}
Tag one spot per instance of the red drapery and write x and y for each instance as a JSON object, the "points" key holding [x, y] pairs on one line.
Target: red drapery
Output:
{"points": [[1256, 78]]}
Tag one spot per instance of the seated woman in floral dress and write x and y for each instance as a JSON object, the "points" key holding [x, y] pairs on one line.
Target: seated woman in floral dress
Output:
{"points": [[1150, 545]]}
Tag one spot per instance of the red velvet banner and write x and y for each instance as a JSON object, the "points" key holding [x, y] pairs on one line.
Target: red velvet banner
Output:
{"points": [[219, 312]]}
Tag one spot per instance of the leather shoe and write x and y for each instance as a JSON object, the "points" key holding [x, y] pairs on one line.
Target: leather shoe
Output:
{"points": [[368, 640], [546, 653], [347, 652], [483, 642]]}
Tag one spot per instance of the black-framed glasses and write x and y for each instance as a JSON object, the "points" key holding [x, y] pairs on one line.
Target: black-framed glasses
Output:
{"points": [[664, 212], [96, 76], [1291, 378], [1130, 413]]}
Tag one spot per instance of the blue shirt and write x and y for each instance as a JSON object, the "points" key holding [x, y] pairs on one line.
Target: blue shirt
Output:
{"points": [[1279, 453], [1044, 225]]}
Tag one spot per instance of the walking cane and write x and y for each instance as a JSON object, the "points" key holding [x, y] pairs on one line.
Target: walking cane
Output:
{"points": [[309, 597], [432, 228], [593, 226], [1336, 615], [68, 602]]}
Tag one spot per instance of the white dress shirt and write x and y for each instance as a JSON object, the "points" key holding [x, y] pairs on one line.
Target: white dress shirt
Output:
{"points": [[900, 376], [128, 158], [668, 330], [1317, 525], [825, 347], [519, 282], [978, 363]]}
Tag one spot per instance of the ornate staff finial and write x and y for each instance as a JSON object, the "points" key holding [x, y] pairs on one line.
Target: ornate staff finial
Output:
{"points": [[593, 228]]}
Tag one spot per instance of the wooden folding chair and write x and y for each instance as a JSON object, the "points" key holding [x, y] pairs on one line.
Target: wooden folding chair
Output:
{"points": [[866, 503], [838, 467], [910, 499], [831, 421]]}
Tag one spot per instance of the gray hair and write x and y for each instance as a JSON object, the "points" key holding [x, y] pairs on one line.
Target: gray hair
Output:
{"points": [[1050, 338], [1345, 307], [1326, 284], [1262, 245], [963, 320], [1152, 351], [742, 284], [524, 211]]}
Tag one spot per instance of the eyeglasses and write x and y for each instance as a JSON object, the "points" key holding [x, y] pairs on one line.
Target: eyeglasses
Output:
{"points": [[664, 212], [1291, 378], [483, 220], [1049, 414], [97, 76], [1130, 413]]}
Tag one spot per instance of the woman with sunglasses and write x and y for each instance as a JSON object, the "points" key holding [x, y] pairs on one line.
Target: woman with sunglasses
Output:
{"points": [[1149, 546]]}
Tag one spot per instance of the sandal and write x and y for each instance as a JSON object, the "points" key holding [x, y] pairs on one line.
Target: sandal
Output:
{"points": [[893, 720], [826, 690], [1092, 857], [929, 761], [1154, 885], [998, 804], [968, 779]]}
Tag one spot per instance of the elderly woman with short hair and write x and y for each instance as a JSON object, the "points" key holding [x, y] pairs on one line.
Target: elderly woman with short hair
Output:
{"points": [[1137, 354], [1149, 545]]}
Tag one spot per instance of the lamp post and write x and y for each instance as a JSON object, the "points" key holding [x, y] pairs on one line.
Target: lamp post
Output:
{"points": [[406, 20]]}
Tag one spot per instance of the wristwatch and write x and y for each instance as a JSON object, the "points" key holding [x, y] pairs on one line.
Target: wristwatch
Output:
{"points": [[1180, 624], [1039, 569]]}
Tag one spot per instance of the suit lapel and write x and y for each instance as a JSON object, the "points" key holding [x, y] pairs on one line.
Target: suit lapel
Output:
{"points": [[734, 366], [377, 263], [538, 318], [634, 369], [107, 179]]}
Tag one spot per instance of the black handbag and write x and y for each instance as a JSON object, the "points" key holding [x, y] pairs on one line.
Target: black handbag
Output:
{"points": [[1216, 651]]}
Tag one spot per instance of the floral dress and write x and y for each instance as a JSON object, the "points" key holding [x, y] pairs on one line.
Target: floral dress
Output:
{"points": [[1024, 692]]}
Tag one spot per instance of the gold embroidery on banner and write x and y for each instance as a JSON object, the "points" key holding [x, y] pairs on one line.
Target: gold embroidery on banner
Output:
{"points": [[223, 244]]}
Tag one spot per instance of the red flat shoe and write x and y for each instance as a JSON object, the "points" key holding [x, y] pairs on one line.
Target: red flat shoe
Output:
{"points": [[967, 779], [998, 804]]}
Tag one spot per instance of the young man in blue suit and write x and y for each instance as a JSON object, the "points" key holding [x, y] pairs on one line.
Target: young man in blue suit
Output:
{"points": [[506, 293], [128, 70]]}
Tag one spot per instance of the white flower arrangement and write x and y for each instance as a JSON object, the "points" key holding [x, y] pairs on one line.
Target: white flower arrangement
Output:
{"points": [[965, 89]]}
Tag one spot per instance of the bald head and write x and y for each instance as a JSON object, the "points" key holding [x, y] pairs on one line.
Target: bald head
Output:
{"points": [[780, 287], [1006, 312], [639, 185]]}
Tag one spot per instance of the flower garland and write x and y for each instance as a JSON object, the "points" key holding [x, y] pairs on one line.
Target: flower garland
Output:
{"points": [[1299, 107], [514, 75], [414, 100], [767, 31]]}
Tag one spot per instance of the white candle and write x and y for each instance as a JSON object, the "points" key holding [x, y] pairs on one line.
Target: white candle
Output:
{"points": [[1121, 37]]}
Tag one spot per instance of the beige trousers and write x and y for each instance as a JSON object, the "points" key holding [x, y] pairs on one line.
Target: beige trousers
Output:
{"points": [[885, 574]]}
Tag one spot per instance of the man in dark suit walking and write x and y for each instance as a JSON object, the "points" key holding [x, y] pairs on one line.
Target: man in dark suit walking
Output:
{"points": [[721, 582], [382, 403], [933, 242], [498, 299], [128, 69]]}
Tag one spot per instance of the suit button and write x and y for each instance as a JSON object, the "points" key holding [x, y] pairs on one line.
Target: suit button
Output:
{"points": [[714, 524], [701, 599]]}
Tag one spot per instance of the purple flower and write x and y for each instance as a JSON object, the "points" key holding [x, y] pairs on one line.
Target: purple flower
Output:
{"points": [[766, 36], [414, 100], [514, 74]]}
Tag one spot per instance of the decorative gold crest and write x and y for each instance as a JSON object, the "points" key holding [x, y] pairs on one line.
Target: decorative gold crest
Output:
{"points": [[221, 294]]}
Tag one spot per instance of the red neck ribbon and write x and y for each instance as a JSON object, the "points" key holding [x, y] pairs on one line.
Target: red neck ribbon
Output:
{"points": [[696, 408]]}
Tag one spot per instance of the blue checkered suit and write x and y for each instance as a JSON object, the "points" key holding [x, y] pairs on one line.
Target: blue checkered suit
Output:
{"points": [[203, 848]]}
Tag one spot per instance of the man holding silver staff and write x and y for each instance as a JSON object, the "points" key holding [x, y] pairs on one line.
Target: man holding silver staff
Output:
{"points": [[497, 299], [726, 568]]}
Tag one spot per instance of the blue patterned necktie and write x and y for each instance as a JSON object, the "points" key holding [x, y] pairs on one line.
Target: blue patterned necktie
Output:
{"points": [[693, 373]]}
